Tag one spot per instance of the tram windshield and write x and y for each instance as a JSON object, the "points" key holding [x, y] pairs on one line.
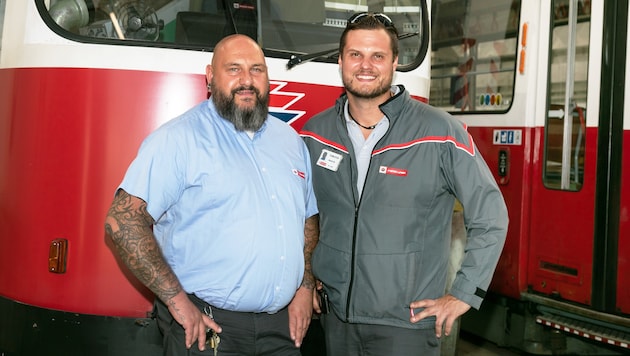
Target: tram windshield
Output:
{"points": [[284, 28]]}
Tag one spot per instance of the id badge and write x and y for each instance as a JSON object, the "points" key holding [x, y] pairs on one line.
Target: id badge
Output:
{"points": [[329, 160]]}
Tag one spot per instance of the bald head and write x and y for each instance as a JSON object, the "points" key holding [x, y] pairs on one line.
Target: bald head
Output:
{"points": [[239, 82], [239, 46]]}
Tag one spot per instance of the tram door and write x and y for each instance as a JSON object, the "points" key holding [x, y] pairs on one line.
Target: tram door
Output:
{"points": [[575, 247]]}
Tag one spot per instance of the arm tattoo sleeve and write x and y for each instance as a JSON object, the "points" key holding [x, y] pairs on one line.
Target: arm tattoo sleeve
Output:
{"points": [[129, 226], [311, 237]]}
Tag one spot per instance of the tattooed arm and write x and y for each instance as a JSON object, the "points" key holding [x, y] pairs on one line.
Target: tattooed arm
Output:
{"points": [[311, 237], [301, 307], [128, 224]]}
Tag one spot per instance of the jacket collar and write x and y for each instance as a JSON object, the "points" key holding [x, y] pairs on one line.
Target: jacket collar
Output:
{"points": [[391, 108]]}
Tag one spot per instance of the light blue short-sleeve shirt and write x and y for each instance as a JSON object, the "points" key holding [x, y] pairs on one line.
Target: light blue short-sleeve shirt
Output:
{"points": [[229, 208]]}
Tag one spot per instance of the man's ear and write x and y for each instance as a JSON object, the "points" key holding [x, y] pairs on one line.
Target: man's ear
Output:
{"points": [[209, 73]]}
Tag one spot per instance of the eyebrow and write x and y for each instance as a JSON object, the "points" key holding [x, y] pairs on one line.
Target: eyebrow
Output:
{"points": [[385, 52], [240, 64]]}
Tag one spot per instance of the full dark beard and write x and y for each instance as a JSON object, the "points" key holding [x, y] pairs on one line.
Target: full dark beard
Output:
{"points": [[244, 119]]}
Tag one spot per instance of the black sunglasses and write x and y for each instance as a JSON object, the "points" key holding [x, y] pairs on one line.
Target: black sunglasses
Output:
{"points": [[382, 18]]}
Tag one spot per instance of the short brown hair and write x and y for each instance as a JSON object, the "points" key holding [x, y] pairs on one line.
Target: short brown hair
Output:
{"points": [[370, 21]]}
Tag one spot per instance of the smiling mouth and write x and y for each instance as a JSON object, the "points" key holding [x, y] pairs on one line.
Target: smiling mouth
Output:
{"points": [[365, 76]]}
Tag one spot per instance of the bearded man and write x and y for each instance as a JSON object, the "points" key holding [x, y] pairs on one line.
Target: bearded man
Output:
{"points": [[217, 216]]}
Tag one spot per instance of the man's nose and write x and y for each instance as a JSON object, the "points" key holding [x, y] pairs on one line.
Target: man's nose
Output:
{"points": [[245, 78], [366, 62]]}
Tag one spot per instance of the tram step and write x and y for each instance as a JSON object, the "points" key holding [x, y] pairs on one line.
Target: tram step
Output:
{"points": [[586, 330]]}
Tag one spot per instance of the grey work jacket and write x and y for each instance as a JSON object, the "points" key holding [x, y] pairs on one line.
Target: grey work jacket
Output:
{"points": [[378, 253]]}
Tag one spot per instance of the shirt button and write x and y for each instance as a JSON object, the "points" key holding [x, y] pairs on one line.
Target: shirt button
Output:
{"points": [[281, 258], [280, 227], [273, 197]]}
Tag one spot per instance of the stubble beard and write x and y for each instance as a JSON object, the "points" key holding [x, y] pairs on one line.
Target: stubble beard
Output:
{"points": [[367, 94], [243, 119]]}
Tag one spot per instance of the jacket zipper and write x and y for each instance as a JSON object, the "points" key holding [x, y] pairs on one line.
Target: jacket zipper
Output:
{"points": [[352, 262]]}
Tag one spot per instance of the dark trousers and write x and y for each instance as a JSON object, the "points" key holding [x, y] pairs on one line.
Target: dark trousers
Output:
{"points": [[243, 333], [345, 339]]}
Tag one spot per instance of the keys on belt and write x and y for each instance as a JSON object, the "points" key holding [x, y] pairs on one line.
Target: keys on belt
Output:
{"points": [[212, 338]]}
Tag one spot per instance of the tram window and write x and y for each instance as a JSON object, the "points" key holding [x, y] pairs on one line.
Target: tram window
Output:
{"points": [[473, 54], [283, 27], [567, 87]]}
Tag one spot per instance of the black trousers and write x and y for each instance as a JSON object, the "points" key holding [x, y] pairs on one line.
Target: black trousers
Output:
{"points": [[345, 339], [243, 333]]}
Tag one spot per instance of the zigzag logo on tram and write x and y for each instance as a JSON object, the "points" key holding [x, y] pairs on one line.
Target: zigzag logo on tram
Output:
{"points": [[280, 101]]}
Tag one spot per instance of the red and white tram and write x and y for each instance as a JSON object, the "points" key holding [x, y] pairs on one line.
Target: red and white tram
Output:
{"points": [[82, 82]]}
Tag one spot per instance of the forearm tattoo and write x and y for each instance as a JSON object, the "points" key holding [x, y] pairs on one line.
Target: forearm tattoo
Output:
{"points": [[129, 225], [311, 236]]}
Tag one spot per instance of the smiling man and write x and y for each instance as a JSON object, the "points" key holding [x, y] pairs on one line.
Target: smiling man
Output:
{"points": [[386, 172]]}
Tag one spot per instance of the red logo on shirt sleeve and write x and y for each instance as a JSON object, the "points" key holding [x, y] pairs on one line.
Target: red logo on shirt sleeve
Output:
{"points": [[299, 173]]}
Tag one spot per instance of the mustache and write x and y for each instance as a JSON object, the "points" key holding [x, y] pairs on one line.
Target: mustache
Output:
{"points": [[243, 87]]}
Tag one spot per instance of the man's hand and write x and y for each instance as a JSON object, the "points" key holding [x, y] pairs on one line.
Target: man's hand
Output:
{"points": [[300, 313], [194, 322], [446, 309], [316, 306]]}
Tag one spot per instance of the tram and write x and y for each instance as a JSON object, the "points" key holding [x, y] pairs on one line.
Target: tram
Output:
{"points": [[82, 82], [543, 88]]}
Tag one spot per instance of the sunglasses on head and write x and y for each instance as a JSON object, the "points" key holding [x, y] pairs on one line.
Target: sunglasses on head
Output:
{"points": [[382, 18]]}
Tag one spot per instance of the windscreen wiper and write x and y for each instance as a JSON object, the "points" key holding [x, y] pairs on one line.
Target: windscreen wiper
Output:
{"points": [[295, 59], [299, 59]]}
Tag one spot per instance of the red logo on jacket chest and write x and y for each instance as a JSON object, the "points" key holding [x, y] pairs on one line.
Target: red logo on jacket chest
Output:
{"points": [[392, 171]]}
